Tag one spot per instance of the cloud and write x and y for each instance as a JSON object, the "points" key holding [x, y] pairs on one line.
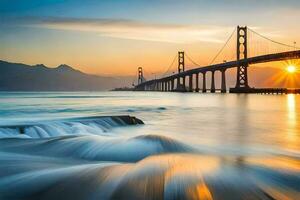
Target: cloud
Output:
{"points": [[129, 29]]}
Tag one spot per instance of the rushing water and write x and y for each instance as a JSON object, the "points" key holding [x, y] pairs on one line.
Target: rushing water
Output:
{"points": [[192, 146]]}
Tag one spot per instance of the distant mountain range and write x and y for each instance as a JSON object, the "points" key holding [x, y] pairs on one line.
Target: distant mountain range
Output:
{"points": [[21, 77]]}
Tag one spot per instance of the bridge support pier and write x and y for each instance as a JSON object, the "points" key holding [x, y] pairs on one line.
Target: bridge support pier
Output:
{"points": [[223, 86], [213, 88], [204, 83], [197, 82], [191, 83], [166, 86]]}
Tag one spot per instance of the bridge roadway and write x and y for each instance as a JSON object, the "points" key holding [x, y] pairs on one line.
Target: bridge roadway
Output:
{"points": [[226, 65]]}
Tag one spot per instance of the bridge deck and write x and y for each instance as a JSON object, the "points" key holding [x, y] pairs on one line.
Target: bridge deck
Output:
{"points": [[231, 64]]}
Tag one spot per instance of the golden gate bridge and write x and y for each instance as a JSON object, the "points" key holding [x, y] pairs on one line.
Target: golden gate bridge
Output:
{"points": [[241, 58]]}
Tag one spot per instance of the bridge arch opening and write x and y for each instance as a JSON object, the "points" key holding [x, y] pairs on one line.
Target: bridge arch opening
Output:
{"points": [[218, 80]]}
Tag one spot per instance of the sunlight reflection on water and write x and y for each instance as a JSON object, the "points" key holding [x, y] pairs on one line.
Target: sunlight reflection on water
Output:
{"points": [[192, 146]]}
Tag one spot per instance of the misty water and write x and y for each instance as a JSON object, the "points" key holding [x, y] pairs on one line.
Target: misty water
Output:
{"points": [[192, 146]]}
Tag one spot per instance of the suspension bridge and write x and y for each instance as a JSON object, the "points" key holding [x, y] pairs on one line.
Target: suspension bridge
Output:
{"points": [[240, 58]]}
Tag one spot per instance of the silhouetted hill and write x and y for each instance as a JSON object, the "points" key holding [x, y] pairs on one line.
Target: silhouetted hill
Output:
{"points": [[21, 77]]}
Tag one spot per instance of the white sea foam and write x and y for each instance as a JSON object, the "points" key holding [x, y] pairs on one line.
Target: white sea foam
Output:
{"points": [[84, 126]]}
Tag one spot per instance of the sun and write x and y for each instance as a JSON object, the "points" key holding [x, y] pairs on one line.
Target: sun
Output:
{"points": [[291, 69]]}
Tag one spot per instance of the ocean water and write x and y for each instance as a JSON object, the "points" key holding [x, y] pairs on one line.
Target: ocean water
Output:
{"points": [[192, 146]]}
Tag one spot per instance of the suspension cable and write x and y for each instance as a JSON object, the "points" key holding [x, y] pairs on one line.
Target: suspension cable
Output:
{"points": [[290, 46], [190, 59], [134, 78], [170, 66], [146, 72], [220, 51]]}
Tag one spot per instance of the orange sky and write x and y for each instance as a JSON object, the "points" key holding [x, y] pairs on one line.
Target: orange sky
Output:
{"points": [[113, 42]]}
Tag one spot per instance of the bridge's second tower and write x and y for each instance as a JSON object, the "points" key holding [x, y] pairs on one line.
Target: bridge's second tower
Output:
{"points": [[180, 69], [141, 75], [242, 53], [180, 61]]}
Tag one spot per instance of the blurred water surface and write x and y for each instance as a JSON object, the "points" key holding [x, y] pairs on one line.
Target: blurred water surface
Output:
{"points": [[192, 146]]}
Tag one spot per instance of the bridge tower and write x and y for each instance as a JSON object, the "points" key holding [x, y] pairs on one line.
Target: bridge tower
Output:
{"points": [[140, 75], [180, 69], [180, 61], [242, 53]]}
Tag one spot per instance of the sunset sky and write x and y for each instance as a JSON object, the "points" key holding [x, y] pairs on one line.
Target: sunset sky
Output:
{"points": [[114, 37]]}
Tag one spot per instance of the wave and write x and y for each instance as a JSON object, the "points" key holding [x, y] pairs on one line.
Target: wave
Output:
{"points": [[166, 143], [146, 109], [95, 148], [171, 176], [75, 126]]}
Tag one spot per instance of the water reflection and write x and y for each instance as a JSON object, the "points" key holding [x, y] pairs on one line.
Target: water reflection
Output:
{"points": [[169, 176], [291, 108], [200, 191], [192, 146], [292, 134]]}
